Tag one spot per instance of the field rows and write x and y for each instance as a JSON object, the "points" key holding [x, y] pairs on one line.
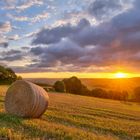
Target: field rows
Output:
{"points": [[73, 117]]}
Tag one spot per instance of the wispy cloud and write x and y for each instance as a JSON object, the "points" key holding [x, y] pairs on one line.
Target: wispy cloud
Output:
{"points": [[39, 17], [32, 34], [29, 4], [21, 5], [34, 19], [5, 27], [18, 18]]}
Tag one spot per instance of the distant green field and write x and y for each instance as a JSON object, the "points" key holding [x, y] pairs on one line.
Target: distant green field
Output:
{"points": [[74, 117]]}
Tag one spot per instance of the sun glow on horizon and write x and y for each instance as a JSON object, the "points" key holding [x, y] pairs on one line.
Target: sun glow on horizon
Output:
{"points": [[116, 75], [121, 75]]}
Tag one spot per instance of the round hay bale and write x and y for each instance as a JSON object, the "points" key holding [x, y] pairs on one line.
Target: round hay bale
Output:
{"points": [[26, 99]]}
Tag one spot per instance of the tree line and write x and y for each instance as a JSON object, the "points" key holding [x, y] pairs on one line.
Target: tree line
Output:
{"points": [[74, 85], [7, 75]]}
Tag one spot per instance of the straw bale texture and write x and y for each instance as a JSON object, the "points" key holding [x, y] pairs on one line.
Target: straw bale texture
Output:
{"points": [[26, 99]]}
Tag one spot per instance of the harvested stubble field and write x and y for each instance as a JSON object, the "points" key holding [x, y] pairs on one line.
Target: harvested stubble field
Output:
{"points": [[74, 117]]}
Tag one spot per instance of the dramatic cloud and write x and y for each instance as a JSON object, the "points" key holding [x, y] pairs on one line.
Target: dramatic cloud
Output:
{"points": [[54, 35], [63, 52], [11, 55], [74, 35], [111, 43], [11, 52], [11, 58]]}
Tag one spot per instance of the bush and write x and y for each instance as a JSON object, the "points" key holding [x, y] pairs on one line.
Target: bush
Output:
{"points": [[19, 78], [98, 92], [74, 85], [111, 94], [59, 86]]}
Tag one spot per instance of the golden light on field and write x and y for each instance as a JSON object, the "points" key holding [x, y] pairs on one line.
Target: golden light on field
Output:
{"points": [[121, 75]]}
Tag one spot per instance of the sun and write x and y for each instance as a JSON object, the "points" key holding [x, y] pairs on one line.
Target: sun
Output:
{"points": [[120, 75]]}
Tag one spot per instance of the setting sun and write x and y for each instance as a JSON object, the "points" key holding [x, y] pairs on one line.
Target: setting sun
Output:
{"points": [[120, 75]]}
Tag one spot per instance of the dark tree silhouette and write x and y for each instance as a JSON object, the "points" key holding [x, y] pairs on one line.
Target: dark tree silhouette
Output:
{"points": [[75, 86], [137, 94], [7, 75], [59, 86], [99, 92]]}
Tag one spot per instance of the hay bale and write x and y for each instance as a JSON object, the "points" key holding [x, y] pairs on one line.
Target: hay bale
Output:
{"points": [[26, 99]]}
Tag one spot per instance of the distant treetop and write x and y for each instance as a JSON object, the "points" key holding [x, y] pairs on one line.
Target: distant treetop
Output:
{"points": [[7, 75]]}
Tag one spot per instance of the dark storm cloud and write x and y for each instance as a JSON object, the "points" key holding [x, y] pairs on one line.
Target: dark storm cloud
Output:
{"points": [[64, 52], [11, 55], [114, 42], [12, 58], [54, 35], [83, 34], [11, 52], [37, 50]]}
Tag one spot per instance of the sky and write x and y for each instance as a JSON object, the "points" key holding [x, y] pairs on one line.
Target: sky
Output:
{"points": [[61, 38]]}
